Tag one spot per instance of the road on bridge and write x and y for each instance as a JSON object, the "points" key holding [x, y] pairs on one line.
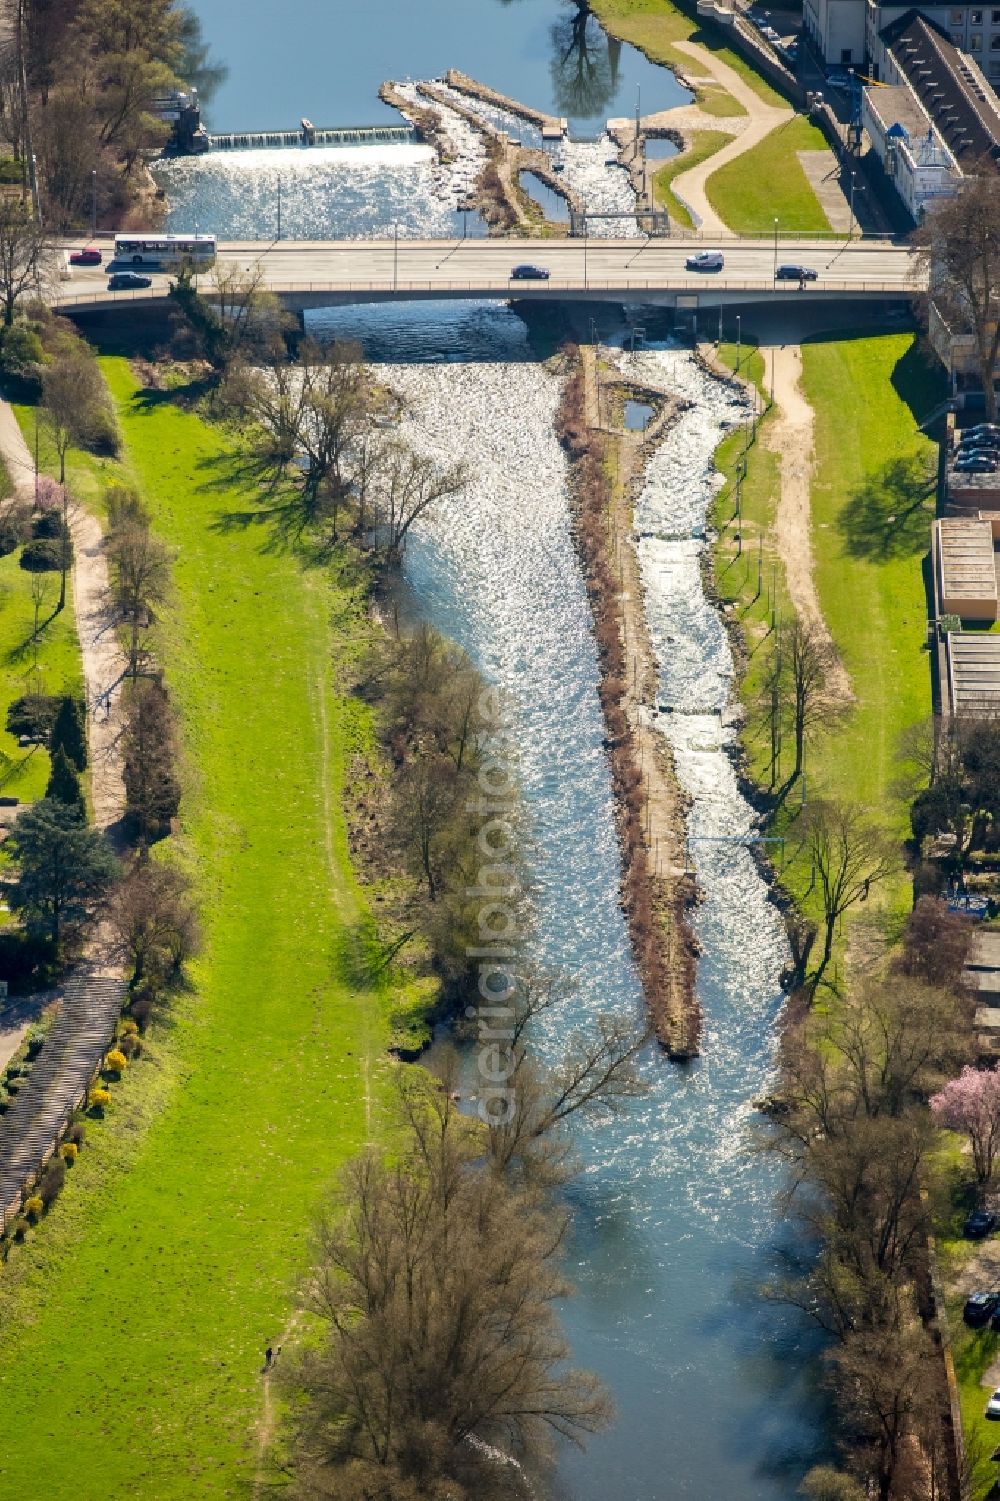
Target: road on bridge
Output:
{"points": [[626, 268]]}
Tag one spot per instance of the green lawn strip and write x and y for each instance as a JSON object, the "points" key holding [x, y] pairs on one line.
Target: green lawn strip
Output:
{"points": [[136, 1317], [25, 772], [869, 394], [655, 25], [703, 144], [768, 182]]}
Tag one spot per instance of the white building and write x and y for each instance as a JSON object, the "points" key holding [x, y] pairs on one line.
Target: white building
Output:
{"points": [[911, 151], [837, 30]]}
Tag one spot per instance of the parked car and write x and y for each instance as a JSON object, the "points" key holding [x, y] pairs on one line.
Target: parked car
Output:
{"points": [[795, 273], [838, 79], [979, 1223], [969, 441], [529, 273], [90, 255], [770, 33], [122, 281], [980, 1308], [981, 430], [977, 451], [706, 260], [976, 463], [993, 1405], [791, 50]]}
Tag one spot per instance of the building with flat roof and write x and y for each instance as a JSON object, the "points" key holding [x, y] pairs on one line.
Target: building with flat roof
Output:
{"points": [[911, 151], [966, 566]]}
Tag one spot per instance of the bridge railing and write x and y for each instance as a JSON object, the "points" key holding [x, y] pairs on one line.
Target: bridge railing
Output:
{"points": [[519, 289]]}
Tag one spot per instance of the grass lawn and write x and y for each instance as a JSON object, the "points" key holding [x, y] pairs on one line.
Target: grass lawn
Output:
{"points": [[768, 183], [703, 144], [53, 668], [136, 1316], [868, 394], [655, 25]]}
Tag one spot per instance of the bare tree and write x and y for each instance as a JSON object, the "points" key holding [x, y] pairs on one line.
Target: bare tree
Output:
{"points": [[882, 1386], [959, 247], [140, 576], [154, 920], [24, 250], [67, 394], [251, 316], [849, 856], [409, 485], [152, 789], [797, 677]]}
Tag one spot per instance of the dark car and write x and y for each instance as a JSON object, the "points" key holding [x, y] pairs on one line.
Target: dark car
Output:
{"points": [[88, 256], [976, 464], [970, 441], [979, 1223], [983, 427], [529, 273], [980, 1308], [123, 280], [795, 273]]}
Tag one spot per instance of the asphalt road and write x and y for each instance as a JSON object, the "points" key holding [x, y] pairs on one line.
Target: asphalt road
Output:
{"points": [[484, 266]]}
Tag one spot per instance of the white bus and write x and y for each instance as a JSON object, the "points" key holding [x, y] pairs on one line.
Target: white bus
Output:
{"points": [[165, 252]]}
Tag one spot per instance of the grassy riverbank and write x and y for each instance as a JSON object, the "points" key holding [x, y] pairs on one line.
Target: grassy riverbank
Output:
{"points": [[868, 393], [135, 1320], [704, 143], [769, 183], [655, 26]]}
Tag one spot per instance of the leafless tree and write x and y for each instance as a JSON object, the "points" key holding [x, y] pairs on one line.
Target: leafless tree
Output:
{"points": [[251, 316], [140, 577], [959, 248], [152, 789], [24, 253], [409, 485], [849, 856], [797, 681], [881, 1380], [154, 920]]}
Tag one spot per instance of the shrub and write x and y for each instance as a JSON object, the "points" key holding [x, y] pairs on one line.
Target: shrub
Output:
{"points": [[33, 1044], [70, 1152], [19, 1228], [99, 430], [49, 524], [33, 714], [129, 1027], [116, 1062], [34, 1208], [15, 527], [98, 1098], [44, 555], [130, 1045], [77, 1134], [52, 1181]]}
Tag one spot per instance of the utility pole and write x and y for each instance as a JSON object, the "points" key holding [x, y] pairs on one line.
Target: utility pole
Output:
{"points": [[774, 274], [737, 343], [395, 256], [278, 235], [93, 202]]}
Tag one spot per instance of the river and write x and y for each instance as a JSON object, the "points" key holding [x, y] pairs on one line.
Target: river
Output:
{"points": [[674, 1226]]}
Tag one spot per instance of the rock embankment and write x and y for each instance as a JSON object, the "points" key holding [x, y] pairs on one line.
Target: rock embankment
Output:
{"points": [[656, 890]]}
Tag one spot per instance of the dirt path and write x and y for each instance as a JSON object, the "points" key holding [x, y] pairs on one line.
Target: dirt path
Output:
{"points": [[760, 120], [790, 436]]}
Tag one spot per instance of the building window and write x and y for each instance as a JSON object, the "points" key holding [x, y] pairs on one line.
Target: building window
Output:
{"points": [[845, 54], [995, 17], [958, 18], [976, 17], [975, 43], [994, 68], [995, 43]]}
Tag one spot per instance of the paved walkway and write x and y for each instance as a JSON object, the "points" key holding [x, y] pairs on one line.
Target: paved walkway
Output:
{"points": [[92, 997]]}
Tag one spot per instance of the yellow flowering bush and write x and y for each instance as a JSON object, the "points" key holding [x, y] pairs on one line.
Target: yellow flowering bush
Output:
{"points": [[130, 1028], [70, 1151], [98, 1098], [34, 1207], [116, 1062]]}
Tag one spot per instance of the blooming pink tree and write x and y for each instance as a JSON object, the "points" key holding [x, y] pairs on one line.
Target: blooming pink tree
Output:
{"points": [[971, 1103]]}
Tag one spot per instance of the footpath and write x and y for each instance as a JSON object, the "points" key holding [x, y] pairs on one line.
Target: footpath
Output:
{"points": [[90, 1000]]}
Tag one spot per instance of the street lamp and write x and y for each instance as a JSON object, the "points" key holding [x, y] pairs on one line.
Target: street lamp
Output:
{"points": [[774, 274], [861, 189], [93, 202], [395, 255], [278, 235], [586, 237], [737, 343]]}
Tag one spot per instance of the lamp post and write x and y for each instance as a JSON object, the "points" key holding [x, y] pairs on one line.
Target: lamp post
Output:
{"points": [[278, 235], [774, 273], [737, 343], [586, 237], [395, 255], [850, 232], [93, 202]]}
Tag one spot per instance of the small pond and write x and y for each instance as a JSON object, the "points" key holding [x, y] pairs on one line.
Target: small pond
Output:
{"points": [[552, 204], [638, 415]]}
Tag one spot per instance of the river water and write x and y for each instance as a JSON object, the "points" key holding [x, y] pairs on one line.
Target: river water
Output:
{"points": [[674, 1208], [674, 1228]]}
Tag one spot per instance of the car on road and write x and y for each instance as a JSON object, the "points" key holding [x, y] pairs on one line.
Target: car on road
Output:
{"points": [[123, 281], [529, 273], [993, 1405], [838, 79], [979, 1224], [795, 273], [976, 463], [90, 255], [980, 1308], [706, 260]]}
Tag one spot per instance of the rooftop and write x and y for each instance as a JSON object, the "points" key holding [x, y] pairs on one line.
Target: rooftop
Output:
{"points": [[974, 673], [968, 565], [949, 85]]}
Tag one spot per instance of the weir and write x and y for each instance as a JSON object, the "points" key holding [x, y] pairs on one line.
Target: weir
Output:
{"points": [[313, 135]]}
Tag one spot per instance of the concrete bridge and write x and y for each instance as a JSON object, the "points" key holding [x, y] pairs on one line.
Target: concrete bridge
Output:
{"points": [[310, 274]]}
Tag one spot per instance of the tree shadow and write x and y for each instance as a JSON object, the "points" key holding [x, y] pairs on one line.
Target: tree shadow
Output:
{"points": [[18, 652], [889, 513]]}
